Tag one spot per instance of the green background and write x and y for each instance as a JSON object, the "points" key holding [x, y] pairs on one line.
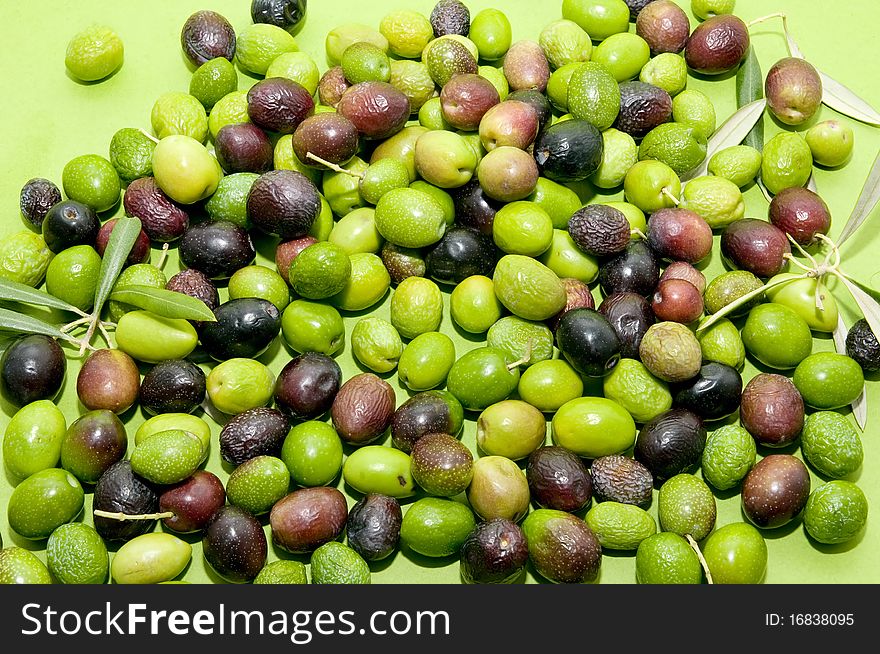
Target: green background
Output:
{"points": [[47, 119]]}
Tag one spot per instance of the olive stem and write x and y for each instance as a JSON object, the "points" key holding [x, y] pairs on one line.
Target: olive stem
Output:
{"points": [[86, 343], [104, 333], [763, 19], [525, 359], [635, 231], [149, 136], [748, 297], [332, 166], [76, 323], [665, 191], [696, 548], [122, 517], [162, 257]]}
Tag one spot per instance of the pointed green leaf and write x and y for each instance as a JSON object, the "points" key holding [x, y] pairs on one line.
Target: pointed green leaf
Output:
{"points": [[13, 321], [165, 303], [846, 102], [122, 240], [731, 133], [750, 87], [16, 292], [860, 406], [868, 199]]}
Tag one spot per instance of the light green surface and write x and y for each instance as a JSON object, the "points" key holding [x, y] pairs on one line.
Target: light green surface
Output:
{"points": [[47, 119]]}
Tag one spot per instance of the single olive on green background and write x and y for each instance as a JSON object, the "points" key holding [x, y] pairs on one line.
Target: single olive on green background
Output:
{"points": [[313, 327], [736, 554], [593, 426], [32, 441], [376, 344], [777, 336], [548, 385], [827, 380], [312, 452], [473, 304], [426, 361]]}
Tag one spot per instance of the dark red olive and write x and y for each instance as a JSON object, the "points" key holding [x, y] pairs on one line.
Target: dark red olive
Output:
{"points": [[279, 104], [243, 148], [772, 410], [307, 518], [307, 386], [635, 270], [287, 251], [775, 491], [642, 107], [176, 386], [671, 443], [284, 203], [193, 502], [196, 284], [255, 432], [32, 368], [362, 409], [717, 45], [800, 213], [373, 526], [161, 218], [755, 245], [330, 136], [332, 87], [377, 109], [630, 316], [664, 25], [235, 545], [93, 443], [677, 300], [558, 479], [432, 412], [679, 235], [496, 552], [402, 262], [207, 35], [713, 394], [140, 251], [473, 208], [216, 248], [578, 296]]}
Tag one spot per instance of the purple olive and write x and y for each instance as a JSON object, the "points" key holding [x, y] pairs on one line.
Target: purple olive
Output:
{"points": [[755, 245], [255, 432], [306, 519], [473, 208], [558, 479], [642, 107], [331, 137], [775, 491], [671, 443], [161, 218], [284, 203], [664, 25], [772, 410], [140, 251], [217, 248], [243, 148], [794, 90], [718, 45], [32, 368], [37, 196], [635, 270], [800, 213], [207, 35], [362, 409], [377, 109], [495, 552], [373, 526], [279, 104], [679, 235], [235, 545], [307, 386], [193, 502]]}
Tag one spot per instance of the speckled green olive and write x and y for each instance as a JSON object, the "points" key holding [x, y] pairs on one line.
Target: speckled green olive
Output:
{"points": [[800, 296], [523, 341], [728, 287], [559, 201], [356, 232], [482, 377], [312, 452], [416, 307], [667, 558], [548, 385], [410, 218], [620, 526], [368, 283], [21, 566], [593, 426], [376, 344], [165, 421], [827, 380], [836, 512], [632, 386], [237, 385], [736, 554], [722, 343], [777, 336], [150, 559], [259, 282], [32, 441], [379, 469], [831, 444], [686, 506], [168, 457], [426, 361], [567, 260], [440, 196], [342, 190], [729, 455], [382, 176], [313, 327], [257, 484], [44, 501], [150, 338], [473, 304]]}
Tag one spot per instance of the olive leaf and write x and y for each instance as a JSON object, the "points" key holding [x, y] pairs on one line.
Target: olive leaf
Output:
{"points": [[750, 87], [860, 406], [811, 184], [16, 292], [13, 321], [868, 199], [122, 240], [846, 102], [764, 190], [165, 303], [731, 133]]}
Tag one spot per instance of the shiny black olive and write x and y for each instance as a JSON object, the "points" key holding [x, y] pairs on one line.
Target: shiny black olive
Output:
{"points": [[713, 394], [244, 329], [569, 151], [176, 386], [588, 341], [635, 270], [461, 253], [217, 249], [630, 316], [32, 368], [671, 443]]}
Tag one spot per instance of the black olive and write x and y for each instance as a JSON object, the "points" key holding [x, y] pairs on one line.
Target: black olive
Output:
{"points": [[630, 316], [119, 490], [461, 253], [635, 270], [256, 432], [373, 526], [671, 443], [569, 151], [286, 14], [32, 369], [176, 386], [713, 394], [588, 341], [244, 329], [217, 249]]}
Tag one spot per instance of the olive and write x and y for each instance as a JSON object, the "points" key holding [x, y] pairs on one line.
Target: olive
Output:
{"points": [[717, 45], [538, 101], [377, 109], [665, 27], [307, 386], [671, 443], [93, 443], [307, 518], [450, 17], [465, 99], [713, 394], [432, 412], [800, 213], [332, 86], [617, 478], [108, 379], [642, 107], [772, 410], [362, 409], [255, 432], [630, 316], [635, 270], [862, 346], [243, 148], [461, 253], [217, 249], [677, 300], [331, 137], [373, 526], [176, 386], [284, 203], [569, 151], [287, 251], [207, 35], [402, 262], [679, 235], [119, 490], [755, 245], [244, 329], [473, 208], [279, 104], [495, 552], [162, 219], [558, 479], [37, 196], [775, 491], [286, 14], [235, 545], [599, 230], [578, 296], [588, 341], [140, 251], [32, 368], [69, 223], [196, 284], [193, 502]]}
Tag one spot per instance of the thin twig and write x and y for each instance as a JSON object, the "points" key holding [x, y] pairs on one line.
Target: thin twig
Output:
{"points": [[665, 191], [122, 517], [332, 166], [163, 256], [696, 548]]}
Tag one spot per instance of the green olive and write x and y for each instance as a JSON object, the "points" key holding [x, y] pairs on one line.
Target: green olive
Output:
{"points": [[376, 344], [356, 232], [777, 336], [522, 228], [593, 426], [426, 361], [549, 384], [313, 327], [559, 201], [379, 469], [827, 380], [150, 338], [473, 304], [491, 32], [624, 54], [567, 260], [800, 295]]}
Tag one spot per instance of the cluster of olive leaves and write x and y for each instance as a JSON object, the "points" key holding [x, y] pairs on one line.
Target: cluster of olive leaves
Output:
{"points": [[165, 303], [746, 126]]}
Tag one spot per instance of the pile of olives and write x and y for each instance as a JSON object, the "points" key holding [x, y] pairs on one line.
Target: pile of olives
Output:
{"points": [[440, 163]]}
